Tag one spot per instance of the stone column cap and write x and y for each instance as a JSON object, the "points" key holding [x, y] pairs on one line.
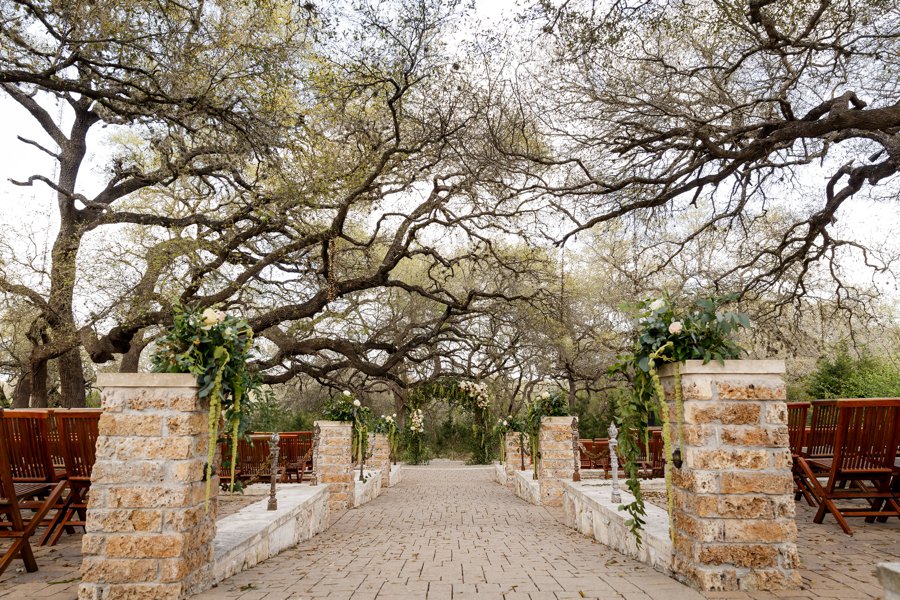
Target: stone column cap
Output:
{"points": [[731, 367], [558, 420], [333, 423], [147, 380]]}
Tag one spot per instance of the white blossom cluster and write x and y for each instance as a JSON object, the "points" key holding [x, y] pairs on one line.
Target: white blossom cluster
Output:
{"points": [[417, 421], [477, 391], [389, 418]]}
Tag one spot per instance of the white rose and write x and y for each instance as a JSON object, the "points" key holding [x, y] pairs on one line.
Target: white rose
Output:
{"points": [[357, 403], [211, 317], [505, 424], [676, 327], [347, 393], [657, 304], [394, 415]]}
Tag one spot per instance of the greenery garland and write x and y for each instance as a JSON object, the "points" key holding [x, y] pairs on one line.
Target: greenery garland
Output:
{"points": [[666, 334], [216, 348]]}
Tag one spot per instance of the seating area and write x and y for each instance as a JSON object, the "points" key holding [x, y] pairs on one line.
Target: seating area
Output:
{"points": [[594, 455], [295, 450], [847, 458], [46, 457]]}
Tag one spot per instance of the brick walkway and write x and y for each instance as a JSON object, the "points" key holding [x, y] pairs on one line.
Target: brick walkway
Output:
{"points": [[446, 533]]}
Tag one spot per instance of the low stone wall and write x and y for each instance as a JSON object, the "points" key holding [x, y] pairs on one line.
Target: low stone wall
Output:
{"points": [[368, 490], [500, 475], [525, 487], [255, 533], [589, 509], [396, 475], [889, 576]]}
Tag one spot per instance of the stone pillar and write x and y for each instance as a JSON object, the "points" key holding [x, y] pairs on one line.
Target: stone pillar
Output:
{"points": [[381, 457], [514, 453], [333, 464], [556, 460], [734, 506], [149, 534]]}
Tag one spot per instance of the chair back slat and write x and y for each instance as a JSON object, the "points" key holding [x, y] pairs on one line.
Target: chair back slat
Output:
{"points": [[820, 440], [867, 435], [25, 433], [78, 432], [797, 413]]}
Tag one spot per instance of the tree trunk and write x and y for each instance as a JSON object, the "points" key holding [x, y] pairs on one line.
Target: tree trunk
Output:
{"points": [[39, 385], [71, 379], [22, 392], [131, 360]]}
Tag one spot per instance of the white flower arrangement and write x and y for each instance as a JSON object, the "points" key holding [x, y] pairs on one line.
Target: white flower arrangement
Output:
{"points": [[476, 391], [676, 327], [211, 317], [357, 403], [417, 421]]}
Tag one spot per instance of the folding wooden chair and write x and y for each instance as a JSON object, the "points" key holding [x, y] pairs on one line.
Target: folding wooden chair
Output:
{"points": [[289, 457], [585, 453], [867, 435], [15, 526], [78, 431], [797, 415]]}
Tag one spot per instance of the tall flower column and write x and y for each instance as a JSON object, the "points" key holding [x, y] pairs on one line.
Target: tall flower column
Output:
{"points": [[734, 509]]}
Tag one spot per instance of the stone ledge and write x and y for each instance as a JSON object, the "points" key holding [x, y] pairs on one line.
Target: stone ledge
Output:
{"points": [[255, 534], [368, 490], [500, 473], [889, 576], [588, 509], [396, 475], [525, 487], [146, 380]]}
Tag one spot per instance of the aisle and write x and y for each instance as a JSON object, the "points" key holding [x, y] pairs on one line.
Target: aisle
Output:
{"points": [[448, 531]]}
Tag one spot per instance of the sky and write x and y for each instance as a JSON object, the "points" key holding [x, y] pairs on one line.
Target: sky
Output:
{"points": [[30, 210]]}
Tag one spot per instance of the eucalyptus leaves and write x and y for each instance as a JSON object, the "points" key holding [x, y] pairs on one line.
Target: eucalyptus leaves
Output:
{"points": [[215, 347], [667, 334]]}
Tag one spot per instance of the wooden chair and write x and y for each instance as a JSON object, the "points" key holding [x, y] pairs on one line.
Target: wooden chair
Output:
{"points": [[797, 416], [289, 457], [254, 458], [656, 454], [15, 526], [224, 470], [27, 433], [78, 432], [819, 441], [867, 436]]}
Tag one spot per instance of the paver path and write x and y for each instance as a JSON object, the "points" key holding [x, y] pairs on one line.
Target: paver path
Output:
{"points": [[450, 532]]}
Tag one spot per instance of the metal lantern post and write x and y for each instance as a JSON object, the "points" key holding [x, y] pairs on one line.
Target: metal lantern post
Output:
{"points": [[273, 470], [614, 462]]}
